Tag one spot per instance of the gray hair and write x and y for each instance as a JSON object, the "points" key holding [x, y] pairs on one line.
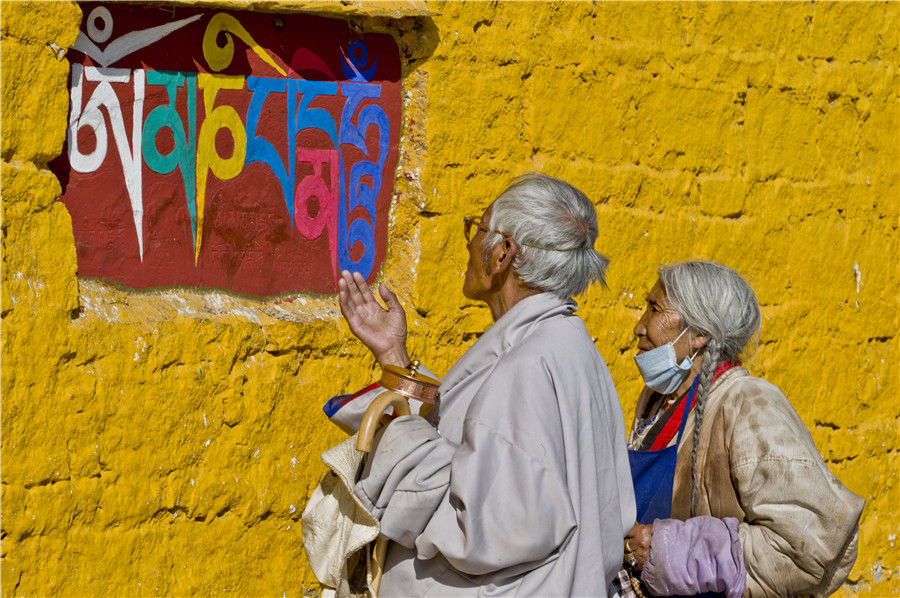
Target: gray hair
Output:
{"points": [[712, 300], [554, 226]]}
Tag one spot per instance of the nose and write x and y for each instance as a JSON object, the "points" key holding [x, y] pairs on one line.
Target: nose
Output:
{"points": [[640, 329], [471, 239]]}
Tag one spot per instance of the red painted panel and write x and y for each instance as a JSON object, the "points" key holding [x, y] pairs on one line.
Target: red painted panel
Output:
{"points": [[247, 151]]}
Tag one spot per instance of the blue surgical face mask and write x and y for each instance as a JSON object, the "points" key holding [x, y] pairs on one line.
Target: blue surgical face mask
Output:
{"points": [[660, 369]]}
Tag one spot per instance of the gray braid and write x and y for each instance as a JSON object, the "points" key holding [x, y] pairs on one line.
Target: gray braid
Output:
{"points": [[711, 360], [712, 300]]}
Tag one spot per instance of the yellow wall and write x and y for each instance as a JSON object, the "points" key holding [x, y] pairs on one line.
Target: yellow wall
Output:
{"points": [[165, 443]]}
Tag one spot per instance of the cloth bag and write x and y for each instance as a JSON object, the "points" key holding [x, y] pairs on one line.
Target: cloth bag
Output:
{"points": [[337, 529]]}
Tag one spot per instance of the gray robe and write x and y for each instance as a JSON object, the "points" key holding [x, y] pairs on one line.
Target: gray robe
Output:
{"points": [[525, 488]]}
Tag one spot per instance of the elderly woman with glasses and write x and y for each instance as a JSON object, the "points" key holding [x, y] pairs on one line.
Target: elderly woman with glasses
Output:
{"points": [[732, 495], [520, 483]]}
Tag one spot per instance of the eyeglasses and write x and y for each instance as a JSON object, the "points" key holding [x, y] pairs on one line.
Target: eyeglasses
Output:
{"points": [[470, 221]]}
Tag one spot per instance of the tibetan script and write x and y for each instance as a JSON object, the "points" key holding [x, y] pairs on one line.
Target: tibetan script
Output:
{"points": [[247, 151]]}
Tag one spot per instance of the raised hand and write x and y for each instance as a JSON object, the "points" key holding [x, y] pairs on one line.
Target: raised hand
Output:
{"points": [[382, 330]]}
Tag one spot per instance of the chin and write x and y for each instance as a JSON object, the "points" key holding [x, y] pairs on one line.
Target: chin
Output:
{"points": [[467, 285]]}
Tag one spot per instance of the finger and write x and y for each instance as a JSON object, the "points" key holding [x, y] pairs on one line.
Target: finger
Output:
{"points": [[631, 561], [390, 298], [346, 280], [348, 310], [365, 293], [342, 294], [355, 296], [345, 297]]}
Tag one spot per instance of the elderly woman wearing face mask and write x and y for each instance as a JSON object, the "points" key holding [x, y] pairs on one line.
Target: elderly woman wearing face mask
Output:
{"points": [[733, 498]]}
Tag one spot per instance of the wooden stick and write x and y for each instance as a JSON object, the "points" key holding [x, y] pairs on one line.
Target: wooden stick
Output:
{"points": [[364, 444], [373, 414]]}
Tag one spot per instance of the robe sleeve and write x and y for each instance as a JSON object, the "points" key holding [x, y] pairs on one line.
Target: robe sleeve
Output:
{"points": [[702, 554], [498, 501]]}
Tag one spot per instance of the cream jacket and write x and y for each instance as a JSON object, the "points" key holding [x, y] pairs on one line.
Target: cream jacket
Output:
{"points": [[757, 463]]}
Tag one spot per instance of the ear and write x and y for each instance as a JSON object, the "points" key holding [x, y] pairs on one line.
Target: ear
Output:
{"points": [[699, 341], [503, 255]]}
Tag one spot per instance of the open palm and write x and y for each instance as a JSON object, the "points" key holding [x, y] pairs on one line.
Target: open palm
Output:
{"points": [[382, 330]]}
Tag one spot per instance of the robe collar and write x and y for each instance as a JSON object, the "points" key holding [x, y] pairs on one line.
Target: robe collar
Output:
{"points": [[509, 330]]}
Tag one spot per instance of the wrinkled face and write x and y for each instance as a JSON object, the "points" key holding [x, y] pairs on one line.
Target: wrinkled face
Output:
{"points": [[478, 281], [661, 324]]}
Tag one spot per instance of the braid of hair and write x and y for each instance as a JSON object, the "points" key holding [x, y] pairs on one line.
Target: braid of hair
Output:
{"points": [[710, 362]]}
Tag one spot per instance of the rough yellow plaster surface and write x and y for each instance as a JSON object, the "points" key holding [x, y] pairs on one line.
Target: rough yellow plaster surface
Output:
{"points": [[356, 8], [165, 442]]}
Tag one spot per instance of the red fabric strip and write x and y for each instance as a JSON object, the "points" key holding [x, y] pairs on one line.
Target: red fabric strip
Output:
{"points": [[672, 426]]}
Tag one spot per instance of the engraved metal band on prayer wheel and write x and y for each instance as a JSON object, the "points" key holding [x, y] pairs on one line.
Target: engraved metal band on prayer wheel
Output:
{"points": [[410, 383]]}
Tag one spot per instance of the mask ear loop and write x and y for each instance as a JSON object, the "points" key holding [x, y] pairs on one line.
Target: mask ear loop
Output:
{"points": [[690, 342]]}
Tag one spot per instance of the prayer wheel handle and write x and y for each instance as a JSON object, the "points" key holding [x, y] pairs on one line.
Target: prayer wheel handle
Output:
{"points": [[367, 430], [400, 384], [373, 414]]}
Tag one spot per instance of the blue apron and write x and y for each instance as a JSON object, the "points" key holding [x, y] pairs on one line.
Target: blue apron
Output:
{"points": [[653, 475]]}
